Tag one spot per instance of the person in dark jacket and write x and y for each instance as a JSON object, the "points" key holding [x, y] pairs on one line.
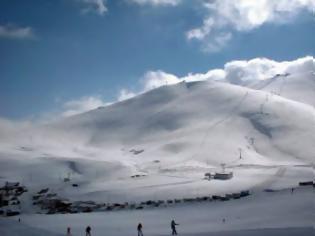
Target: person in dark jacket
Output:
{"points": [[139, 228], [88, 231], [69, 231], [173, 226]]}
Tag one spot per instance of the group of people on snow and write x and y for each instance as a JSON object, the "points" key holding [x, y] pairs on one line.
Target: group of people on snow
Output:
{"points": [[173, 227], [88, 229]]}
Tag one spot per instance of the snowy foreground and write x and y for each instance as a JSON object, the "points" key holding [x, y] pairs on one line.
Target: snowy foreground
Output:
{"points": [[264, 213]]}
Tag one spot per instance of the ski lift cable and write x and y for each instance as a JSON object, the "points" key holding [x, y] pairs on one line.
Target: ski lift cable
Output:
{"points": [[213, 125]]}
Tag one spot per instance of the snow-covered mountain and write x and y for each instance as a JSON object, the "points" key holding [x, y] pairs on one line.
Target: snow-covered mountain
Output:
{"points": [[184, 129], [207, 122], [159, 145]]}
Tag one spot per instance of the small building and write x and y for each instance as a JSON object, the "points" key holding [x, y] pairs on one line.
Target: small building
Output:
{"points": [[209, 175], [223, 175]]}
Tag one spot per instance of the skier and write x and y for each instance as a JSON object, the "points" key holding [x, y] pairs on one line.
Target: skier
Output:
{"points": [[88, 231], [68, 231], [139, 228], [173, 226]]}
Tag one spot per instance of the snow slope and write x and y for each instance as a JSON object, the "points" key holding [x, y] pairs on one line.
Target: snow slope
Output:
{"points": [[298, 87], [190, 121], [277, 213]]}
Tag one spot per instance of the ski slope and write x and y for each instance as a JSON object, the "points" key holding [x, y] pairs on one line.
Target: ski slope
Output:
{"points": [[277, 213], [297, 87]]}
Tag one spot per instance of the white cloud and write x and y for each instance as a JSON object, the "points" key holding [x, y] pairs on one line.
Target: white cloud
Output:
{"points": [[154, 79], [263, 68], [215, 74], [125, 94], [236, 72], [98, 6], [150, 80], [81, 105], [217, 42], [300, 65], [14, 32], [201, 32], [225, 16], [157, 2]]}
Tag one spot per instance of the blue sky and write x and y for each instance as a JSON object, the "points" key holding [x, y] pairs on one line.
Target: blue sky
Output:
{"points": [[53, 52]]}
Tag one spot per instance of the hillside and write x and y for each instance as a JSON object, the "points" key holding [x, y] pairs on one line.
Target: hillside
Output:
{"points": [[171, 135], [298, 87]]}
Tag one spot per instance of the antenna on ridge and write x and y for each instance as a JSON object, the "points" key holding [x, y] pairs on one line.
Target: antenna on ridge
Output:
{"points": [[240, 149], [223, 167]]}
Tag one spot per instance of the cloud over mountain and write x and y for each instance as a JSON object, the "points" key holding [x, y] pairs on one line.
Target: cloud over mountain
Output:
{"points": [[235, 72]]}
